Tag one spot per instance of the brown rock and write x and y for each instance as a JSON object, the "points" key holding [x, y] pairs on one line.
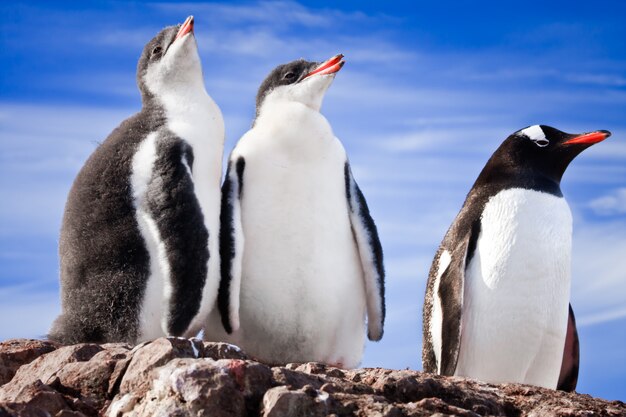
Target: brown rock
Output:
{"points": [[305, 402], [21, 410], [151, 355], [185, 387], [221, 351], [90, 380], [181, 377], [39, 395], [45, 367], [17, 352]]}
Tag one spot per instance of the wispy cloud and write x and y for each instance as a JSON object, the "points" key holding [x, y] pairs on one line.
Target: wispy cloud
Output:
{"points": [[271, 13], [603, 317], [598, 285], [611, 204]]}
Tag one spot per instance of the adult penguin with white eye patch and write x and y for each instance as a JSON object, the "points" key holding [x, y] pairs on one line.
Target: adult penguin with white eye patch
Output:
{"points": [[301, 258], [138, 245], [496, 305]]}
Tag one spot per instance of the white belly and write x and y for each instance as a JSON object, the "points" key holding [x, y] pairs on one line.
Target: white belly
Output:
{"points": [[302, 288], [517, 289]]}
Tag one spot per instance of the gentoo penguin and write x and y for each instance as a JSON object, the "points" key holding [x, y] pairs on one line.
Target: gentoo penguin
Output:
{"points": [[301, 259], [496, 305], [139, 240]]}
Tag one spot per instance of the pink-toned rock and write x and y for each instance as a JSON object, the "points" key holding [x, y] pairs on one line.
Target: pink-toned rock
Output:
{"points": [[181, 377], [45, 368], [185, 387], [41, 396], [306, 401], [90, 381], [151, 355], [221, 351], [17, 352]]}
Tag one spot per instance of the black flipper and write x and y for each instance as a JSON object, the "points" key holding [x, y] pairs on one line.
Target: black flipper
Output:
{"points": [[444, 291], [172, 203], [231, 245], [568, 378], [371, 254]]}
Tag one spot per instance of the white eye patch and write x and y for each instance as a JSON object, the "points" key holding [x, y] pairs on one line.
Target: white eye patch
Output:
{"points": [[535, 133]]}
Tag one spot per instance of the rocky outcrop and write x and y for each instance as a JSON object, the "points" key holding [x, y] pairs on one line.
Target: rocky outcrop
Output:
{"points": [[181, 377]]}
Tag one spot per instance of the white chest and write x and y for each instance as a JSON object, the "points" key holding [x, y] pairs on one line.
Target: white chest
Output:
{"points": [[525, 240], [300, 264], [198, 121], [517, 290]]}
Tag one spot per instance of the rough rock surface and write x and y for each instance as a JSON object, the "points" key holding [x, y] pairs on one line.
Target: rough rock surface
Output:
{"points": [[188, 377]]}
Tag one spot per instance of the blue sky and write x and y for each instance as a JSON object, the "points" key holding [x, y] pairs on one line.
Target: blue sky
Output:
{"points": [[427, 94]]}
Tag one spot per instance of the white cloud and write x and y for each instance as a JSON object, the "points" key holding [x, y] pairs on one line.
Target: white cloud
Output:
{"points": [[270, 13], [451, 138], [42, 148], [603, 317], [598, 265], [610, 205], [610, 80]]}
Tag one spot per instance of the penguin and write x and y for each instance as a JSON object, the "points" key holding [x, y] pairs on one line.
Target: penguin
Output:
{"points": [[301, 260], [138, 246], [496, 305]]}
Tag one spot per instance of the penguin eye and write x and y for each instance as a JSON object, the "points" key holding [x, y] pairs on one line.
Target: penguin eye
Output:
{"points": [[289, 75], [542, 143], [157, 51]]}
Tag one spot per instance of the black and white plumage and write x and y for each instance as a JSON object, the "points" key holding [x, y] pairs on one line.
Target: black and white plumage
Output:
{"points": [[140, 229], [302, 263], [496, 305]]}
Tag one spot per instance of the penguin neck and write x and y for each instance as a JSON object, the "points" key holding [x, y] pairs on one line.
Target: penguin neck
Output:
{"points": [[191, 114], [188, 108], [292, 125], [506, 173]]}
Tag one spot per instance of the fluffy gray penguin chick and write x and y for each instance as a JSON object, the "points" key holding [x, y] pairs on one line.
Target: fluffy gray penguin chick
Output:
{"points": [[139, 240]]}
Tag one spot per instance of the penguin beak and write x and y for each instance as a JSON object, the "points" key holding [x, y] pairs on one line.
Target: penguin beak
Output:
{"points": [[330, 66], [187, 27], [589, 138]]}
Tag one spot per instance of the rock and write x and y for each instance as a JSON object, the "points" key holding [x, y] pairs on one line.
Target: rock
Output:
{"points": [[306, 401], [185, 377], [39, 396], [17, 352], [222, 351], [151, 355], [185, 387], [45, 368], [90, 381]]}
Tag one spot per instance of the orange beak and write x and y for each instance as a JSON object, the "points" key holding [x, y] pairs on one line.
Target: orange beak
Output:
{"points": [[589, 138], [186, 28], [330, 66]]}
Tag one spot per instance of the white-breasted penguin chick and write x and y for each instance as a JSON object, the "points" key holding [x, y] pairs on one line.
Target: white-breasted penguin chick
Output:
{"points": [[301, 258], [497, 296], [139, 241]]}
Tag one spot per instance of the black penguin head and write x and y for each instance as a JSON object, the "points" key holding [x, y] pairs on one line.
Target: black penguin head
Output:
{"points": [[299, 81], [545, 150], [169, 61]]}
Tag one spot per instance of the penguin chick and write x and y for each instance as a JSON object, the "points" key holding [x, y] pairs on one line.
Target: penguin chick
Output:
{"points": [[138, 244], [301, 259]]}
